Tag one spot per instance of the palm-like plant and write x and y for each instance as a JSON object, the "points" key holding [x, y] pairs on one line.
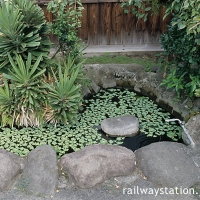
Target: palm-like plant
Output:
{"points": [[23, 29], [24, 47], [7, 105], [70, 66], [26, 81], [64, 96]]}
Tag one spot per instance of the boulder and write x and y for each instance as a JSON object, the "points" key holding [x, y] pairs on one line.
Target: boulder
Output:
{"points": [[9, 169], [166, 164], [40, 173], [96, 163], [197, 103], [14, 157], [127, 126], [193, 128], [194, 153]]}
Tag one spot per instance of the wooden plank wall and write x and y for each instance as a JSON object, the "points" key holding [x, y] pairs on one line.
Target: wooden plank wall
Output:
{"points": [[105, 23]]}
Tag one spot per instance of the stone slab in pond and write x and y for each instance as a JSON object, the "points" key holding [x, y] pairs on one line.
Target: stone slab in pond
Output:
{"points": [[96, 163], [167, 164], [127, 126]]}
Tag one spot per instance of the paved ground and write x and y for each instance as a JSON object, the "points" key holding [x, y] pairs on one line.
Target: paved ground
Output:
{"points": [[113, 189], [122, 49], [95, 50]]}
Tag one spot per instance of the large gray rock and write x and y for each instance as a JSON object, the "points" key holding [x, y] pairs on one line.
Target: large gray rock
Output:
{"points": [[167, 164], [96, 163], [40, 173], [14, 157], [197, 103], [193, 128], [194, 153], [127, 126], [9, 169]]}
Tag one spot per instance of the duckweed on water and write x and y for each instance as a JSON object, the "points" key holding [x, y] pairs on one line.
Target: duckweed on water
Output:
{"points": [[72, 137]]}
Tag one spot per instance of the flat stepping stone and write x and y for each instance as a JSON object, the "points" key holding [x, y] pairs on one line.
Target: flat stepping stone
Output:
{"points": [[126, 126]]}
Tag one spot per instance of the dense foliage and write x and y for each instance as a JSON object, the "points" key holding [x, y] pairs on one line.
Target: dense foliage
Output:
{"points": [[187, 14], [34, 89], [23, 29], [181, 46], [181, 41], [184, 61], [141, 9], [65, 25], [64, 93], [30, 100]]}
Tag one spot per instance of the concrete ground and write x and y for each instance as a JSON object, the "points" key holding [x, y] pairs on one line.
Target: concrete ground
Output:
{"points": [[133, 50], [95, 50], [120, 188]]}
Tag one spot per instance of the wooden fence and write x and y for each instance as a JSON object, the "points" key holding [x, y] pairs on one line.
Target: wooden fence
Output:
{"points": [[105, 23]]}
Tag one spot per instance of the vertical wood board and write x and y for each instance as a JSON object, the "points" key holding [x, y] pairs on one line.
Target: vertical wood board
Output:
{"points": [[104, 22]]}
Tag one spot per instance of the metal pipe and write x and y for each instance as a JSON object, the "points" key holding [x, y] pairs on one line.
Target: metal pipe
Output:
{"points": [[182, 124]]}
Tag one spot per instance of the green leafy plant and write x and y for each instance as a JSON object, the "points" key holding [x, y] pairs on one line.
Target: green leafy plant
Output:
{"points": [[64, 96], [187, 16], [65, 25], [193, 85], [28, 91], [197, 91], [70, 66], [174, 81], [7, 104], [181, 51], [141, 9], [181, 46], [30, 99], [23, 29]]}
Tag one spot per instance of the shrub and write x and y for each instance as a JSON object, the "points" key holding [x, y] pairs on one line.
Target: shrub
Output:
{"points": [[187, 14], [65, 25], [7, 105], [64, 95], [25, 91], [23, 30], [182, 53], [26, 98], [30, 100], [141, 9]]}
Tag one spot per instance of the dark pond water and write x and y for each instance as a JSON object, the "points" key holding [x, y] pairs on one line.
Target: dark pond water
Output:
{"points": [[141, 140], [129, 100]]}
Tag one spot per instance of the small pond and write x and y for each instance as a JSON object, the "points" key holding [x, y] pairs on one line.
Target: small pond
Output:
{"points": [[86, 131]]}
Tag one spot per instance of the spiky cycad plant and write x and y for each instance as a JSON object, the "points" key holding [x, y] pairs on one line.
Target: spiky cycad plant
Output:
{"points": [[28, 91], [64, 97], [23, 29], [7, 104]]}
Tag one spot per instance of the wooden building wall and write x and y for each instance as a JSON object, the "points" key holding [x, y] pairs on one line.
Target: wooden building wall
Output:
{"points": [[105, 23]]}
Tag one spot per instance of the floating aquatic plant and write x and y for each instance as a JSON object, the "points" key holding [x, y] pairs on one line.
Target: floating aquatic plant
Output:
{"points": [[72, 137]]}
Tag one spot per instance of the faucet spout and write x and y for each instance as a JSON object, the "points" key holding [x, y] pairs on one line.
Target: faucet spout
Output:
{"points": [[182, 124]]}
